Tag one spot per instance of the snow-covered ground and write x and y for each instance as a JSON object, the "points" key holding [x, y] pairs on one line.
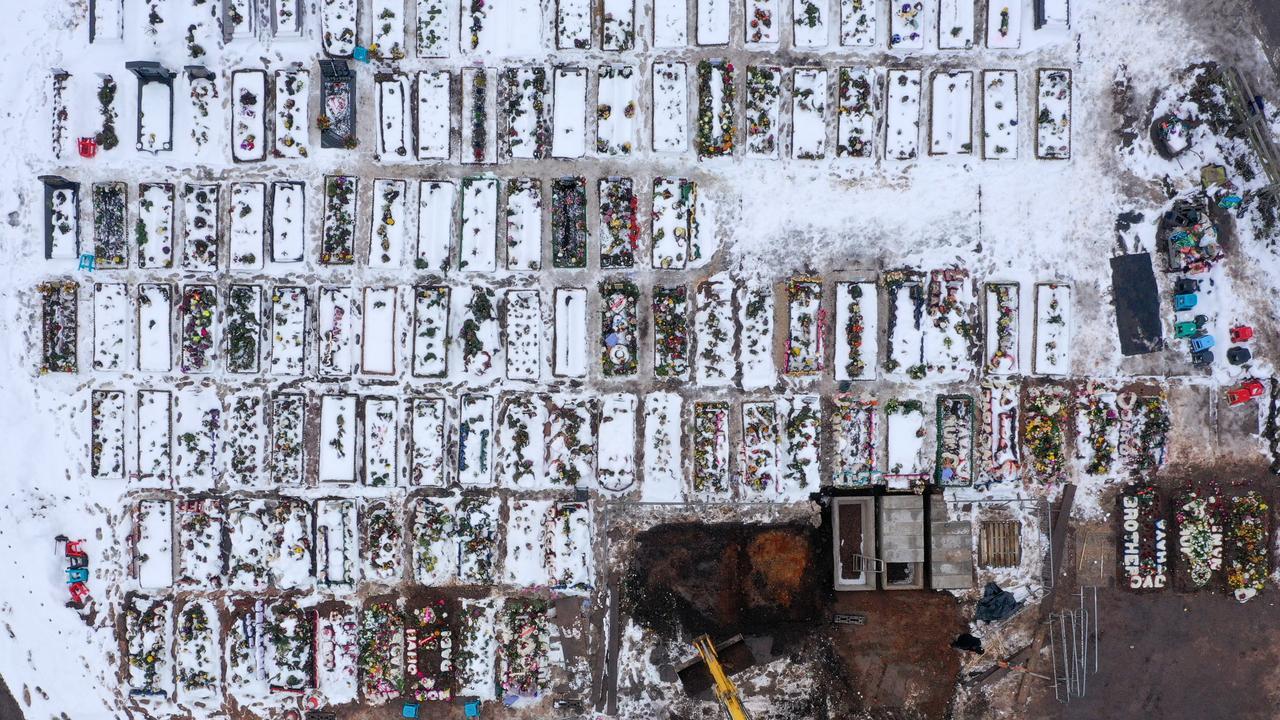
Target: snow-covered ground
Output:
{"points": [[257, 363]]}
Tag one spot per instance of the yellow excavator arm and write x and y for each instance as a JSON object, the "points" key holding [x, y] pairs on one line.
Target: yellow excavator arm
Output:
{"points": [[726, 691]]}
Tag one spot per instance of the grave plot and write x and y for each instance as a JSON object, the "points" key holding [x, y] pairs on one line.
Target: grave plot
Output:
{"points": [[290, 551], [245, 644], [1097, 420], [475, 440], [478, 644], [293, 90], [523, 639], [201, 524], [290, 658], [709, 441], [902, 110], [951, 113], [857, 331], [475, 528], [761, 464], [573, 24], [286, 18], [1000, 449], [714, 331], [395, 117], [671, 332], [1053, 114], [153, 230], [1052, 337], [197, 654], [1248, 558], [248, 228], [810, 29], [1044, 433], [569, 233], [152, 544], [906, 467], [246, 439], [203, 93], [856, 428], [619, 328], [571, 441], [427, 463], [338, 236], [955, 441], [288, 446], [950, 338], [479, 133], [337, 547], [616, 450], [337, 118], [763, 105], [155, 332], [905, 334], [713, 22], [906, 26], [338, 438], [1200, 517], [477, 349], [288, 330], [288, 221], [549, 544], [381, 423], [717, 106], [250, 545], [248, 115], [805, 354], [197, 416], [155, 99], [858, 20], [1004, 25], [524, 329], [62, 223], [435, 94], [155, 427], [1143, 540], [198, 311], [435, 550], [999, 114], [338, 27], [670, 25], [381, 542], [570, 332], [388, 228], [670, 107], [569, 112], [675, 202], [388, 30], [522, 423], [755, 353], [106, 137], [523, 97], [524, 224], [478, 236], [801, 442], [435, 31], [663, 451], [435, 225], [431, 627], [107, 20], [619, 223], [956, 23], [111, 331], [244, 328], [203, 227], [430, 331], [110, 239], [762, 26], [619, 25], [337, 653], [616, 105], [1144, 429], [149, 646], [1002, 347]]}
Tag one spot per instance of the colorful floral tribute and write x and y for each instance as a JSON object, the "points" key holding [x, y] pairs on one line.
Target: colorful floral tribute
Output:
{"points": [[716, 128], [619, 354], [671, 332]]}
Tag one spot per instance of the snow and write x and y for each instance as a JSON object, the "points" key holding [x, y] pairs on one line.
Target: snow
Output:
{"points": [[156, 119], [999, 114], [475, 440], [1054, 318], [713, 332], [670, 25], [616, 455], [435, 224], [570, 113], [378, 341], [335, 331], [155, 318], [857, 331], [617, 96], [288, 338], [395, 134], [292, 120], [570, 310], [155, 420], [249, 122], [1004, 24], [956, 24], [1053, 114], [477, 245], [247, 234], [153, 544], [430, 331], [712, 22], [663, 466], [338, 26], [435, 30], [809, 114], [524, 224], [381, 418], [619, 23], [337, 438], [288, 221], [670, 107], [573, 24], [524, 334], [387, 19], [951, 114], [388, 228], [763, 104], [155, 229], [755, 354], [763, 24], [111, 326], [907, 22], [902, 141], [427, 432], [811, 18]]}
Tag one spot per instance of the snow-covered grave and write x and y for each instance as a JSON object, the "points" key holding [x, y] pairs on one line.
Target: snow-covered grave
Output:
{"points": [[956, 24], [811, 28], [570, 332], [288, 221], [907, 22], [477, 244], [951, 113], [394, 138], [714, 332], [763, 24], [1053, 114], [858, 101], [248, 115], [902, 111], [436, 225], [1054, 316], [244, 316], [524, 224], [670, 25], [569, 116], [248, 226], [619, 21], [1000, 114], [1004, 25], [573, 24], [112, 334], [763, 106], [524, 94], [617, 110], [713, 22], [809, 114], [434, 97], [755, 349], [856, 426], [670, 107], [857, 331], [1003, 325], [858, 23]]}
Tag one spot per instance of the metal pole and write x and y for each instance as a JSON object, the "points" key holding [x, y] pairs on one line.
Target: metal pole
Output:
{"points": [[1053, 654], [1095, 629], [1066, 662]]}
